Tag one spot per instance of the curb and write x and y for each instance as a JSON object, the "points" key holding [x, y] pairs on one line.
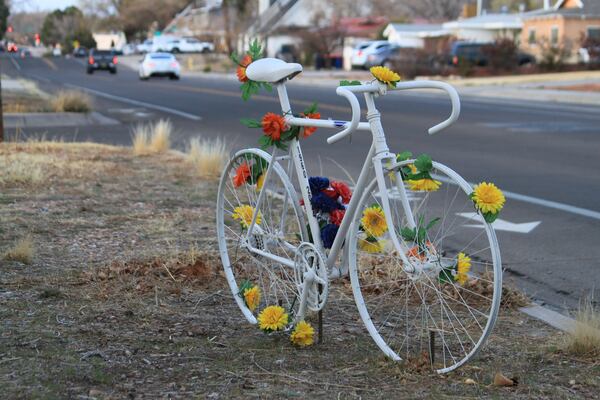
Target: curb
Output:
{"points": [[45, 120], [550, 317]]}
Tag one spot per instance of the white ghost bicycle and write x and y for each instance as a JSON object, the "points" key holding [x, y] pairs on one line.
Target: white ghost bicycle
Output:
{"points": [[401, 245]]}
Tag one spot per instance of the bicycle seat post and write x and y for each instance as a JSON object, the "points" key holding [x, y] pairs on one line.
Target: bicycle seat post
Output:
{"points": [[284, 99]]}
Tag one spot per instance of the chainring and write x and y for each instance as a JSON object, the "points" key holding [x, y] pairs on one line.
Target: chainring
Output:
{"points": [[307, 258]]}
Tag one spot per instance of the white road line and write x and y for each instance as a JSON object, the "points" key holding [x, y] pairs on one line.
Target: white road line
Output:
{"points": [[553, 204], [540, 202], [137, 103], [15, 63]]}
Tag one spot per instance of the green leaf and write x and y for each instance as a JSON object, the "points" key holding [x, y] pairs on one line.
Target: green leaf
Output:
{"points": [[264, 142], [250, 123], [246, 285], [266, 86], [405, 155], [417, 176], [424, 163], [445, 276], [490, 217], [235, 58], [312, 109], [432, 223], [255, 50], [408, 234], [350, 83]]}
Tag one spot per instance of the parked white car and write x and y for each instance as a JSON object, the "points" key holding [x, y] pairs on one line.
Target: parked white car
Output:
{"points": [[129, 49], [159, 64], [189, 45], [144, 47], [361, 53]]}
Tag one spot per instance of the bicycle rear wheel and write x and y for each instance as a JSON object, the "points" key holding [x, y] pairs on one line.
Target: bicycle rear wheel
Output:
{"points": [[279, 229], [442, 307]]}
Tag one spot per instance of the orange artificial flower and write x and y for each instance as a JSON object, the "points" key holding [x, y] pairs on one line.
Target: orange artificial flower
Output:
{"points": [[241, 175], [273, 125], [309, 130], [241, 69], [415, 253]]}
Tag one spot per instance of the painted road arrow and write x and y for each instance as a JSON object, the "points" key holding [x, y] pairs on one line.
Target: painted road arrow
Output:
{"points": [[502, 225]]}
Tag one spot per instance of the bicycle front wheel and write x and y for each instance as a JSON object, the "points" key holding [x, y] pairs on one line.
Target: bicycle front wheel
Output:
{"points": [[442, 305], [256, 280]]}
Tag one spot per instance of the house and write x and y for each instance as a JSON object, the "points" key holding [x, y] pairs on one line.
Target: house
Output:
{"points": [[280, 22], [201, 18], [487, 27], [414, 35], [564, 25], [109, 40]]}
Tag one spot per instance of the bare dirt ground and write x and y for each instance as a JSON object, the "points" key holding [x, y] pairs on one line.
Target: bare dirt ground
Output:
{"points": [[124, 298]]}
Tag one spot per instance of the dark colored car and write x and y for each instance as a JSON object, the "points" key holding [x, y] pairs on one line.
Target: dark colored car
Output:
{"points": [[474, 54], [80, 52], [102, 60]]}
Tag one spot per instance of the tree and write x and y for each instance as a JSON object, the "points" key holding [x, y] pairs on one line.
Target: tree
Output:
{"points": [[436, 9], [137, 16], [237, 16], [65, 27], [4, 12]]}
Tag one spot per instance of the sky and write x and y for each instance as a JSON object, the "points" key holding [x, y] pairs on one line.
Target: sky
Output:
{"points": [[41, 5]]}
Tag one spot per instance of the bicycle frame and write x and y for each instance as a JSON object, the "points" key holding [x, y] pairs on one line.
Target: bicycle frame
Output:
{"points": [[377, 155]]}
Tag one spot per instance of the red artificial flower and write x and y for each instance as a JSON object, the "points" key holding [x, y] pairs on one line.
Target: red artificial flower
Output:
{"points": [[241, 69], [241, 175], [342, 190], [273, 125], [309, 130], [330, 192], [337, 216]]}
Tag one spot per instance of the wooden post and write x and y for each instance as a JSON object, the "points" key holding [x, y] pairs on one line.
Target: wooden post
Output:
{"points": [[1, 114]]}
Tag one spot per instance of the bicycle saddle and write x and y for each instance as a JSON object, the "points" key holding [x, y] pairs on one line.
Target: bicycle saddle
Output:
{"points": [[272, 70]]}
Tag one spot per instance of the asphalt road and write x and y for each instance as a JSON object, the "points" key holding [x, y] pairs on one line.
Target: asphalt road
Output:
{"points": [[546, 156]]}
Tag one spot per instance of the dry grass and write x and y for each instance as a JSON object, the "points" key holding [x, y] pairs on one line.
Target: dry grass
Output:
{"points": [[112, 309], [584, 340], [72, 101], [22, 251], [37, 163], [21, 169], [208, 157], [152, 138]]}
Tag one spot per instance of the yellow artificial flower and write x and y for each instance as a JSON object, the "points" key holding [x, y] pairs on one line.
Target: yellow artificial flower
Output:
{"points": [[244, 215], [488, 198], [272, 318], [373, 221], [463, 266], [303, 334], [252, 297], [424, 185], [385, 75], [371, 247], [260, 182]]}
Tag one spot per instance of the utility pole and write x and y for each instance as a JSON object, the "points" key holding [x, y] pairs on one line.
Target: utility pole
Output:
{"points": [[1, 113]]}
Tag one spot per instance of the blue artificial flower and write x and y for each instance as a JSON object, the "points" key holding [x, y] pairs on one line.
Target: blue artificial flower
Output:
{"points": [[328, 235], [321, 202], [318, 183]]}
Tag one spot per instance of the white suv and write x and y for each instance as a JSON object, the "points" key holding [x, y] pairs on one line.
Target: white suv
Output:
{"points": [[189, 45]]}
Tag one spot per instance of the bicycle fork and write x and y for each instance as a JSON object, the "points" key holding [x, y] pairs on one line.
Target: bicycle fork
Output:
{"points": [[382, 154]]}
